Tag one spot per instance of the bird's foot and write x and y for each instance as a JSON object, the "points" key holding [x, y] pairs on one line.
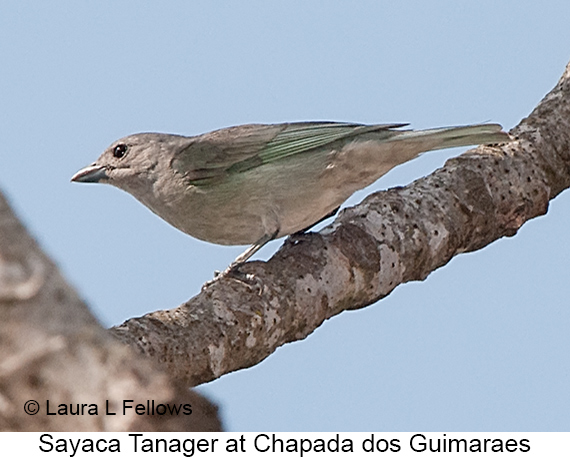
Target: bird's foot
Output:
{"points": [[233, 272]]}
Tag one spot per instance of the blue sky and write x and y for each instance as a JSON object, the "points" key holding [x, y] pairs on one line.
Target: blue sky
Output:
{"points": [[481, 345]]}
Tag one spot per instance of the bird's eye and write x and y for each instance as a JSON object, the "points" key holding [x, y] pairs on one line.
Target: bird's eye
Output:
{"points": [[120, 150]]}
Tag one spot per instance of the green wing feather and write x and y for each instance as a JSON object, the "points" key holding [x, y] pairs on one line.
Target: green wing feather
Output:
{"points": [[215, 155]]}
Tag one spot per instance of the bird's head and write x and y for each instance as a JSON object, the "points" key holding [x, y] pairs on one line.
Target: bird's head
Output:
{"points": [[133, 162]]}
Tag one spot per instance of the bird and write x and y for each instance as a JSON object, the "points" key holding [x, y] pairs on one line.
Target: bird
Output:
{"points": [[250, 184]]}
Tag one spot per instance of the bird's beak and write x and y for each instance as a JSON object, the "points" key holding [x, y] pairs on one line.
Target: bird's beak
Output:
{"points": [[92, 173]]}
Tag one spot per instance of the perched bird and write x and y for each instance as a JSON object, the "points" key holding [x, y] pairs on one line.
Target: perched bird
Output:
{"points": [[252, 183]]}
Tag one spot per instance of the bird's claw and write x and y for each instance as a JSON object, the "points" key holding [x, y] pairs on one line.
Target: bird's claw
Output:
{"points": [[233, 272]]}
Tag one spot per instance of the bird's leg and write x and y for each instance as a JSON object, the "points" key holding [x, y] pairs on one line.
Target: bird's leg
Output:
{"points": [[232, 269], [245, 255]]}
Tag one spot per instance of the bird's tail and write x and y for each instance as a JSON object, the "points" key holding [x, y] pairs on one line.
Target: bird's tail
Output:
{"points": [[451, 137]]}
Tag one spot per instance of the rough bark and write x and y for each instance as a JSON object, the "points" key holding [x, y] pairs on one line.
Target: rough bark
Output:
{"points": [[52, 348], [392, 237]]}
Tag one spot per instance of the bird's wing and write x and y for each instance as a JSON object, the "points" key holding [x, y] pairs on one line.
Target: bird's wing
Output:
{"points": [[215, 155]]}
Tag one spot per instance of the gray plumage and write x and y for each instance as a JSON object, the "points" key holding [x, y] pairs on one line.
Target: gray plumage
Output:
{"points": [[252, 183]]}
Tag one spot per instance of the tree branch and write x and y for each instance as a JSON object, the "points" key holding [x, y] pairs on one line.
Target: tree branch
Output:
{"points": [[392, 237], [52, 349]]}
